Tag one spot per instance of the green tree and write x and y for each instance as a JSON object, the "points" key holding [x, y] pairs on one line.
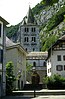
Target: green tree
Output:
{"points": [[10, 78], [28, 71]]}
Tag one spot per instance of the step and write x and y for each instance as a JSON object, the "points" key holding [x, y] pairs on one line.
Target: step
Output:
{"points": [[39, 92]]}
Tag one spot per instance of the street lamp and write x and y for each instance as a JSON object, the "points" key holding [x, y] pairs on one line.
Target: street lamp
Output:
{"points": [[19, 74], [33, 80]]}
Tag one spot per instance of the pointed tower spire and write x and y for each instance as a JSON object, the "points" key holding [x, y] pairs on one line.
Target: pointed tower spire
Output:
{"points": [[30, 17]]}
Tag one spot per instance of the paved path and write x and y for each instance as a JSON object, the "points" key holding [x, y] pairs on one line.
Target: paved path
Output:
{"points": [[39, 97]]}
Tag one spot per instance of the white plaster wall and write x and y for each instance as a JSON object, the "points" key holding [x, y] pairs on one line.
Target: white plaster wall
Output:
{"points": [[49, 66], [54, 62]]}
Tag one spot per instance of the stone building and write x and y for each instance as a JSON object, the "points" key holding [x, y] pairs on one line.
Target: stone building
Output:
{"points": [[16, 53], [3, 24]]}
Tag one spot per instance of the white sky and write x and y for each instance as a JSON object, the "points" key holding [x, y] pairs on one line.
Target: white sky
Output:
{"points": [[13, 11]]}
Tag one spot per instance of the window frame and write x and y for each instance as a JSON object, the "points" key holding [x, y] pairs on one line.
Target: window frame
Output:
{"points": [[58, 57], [59, 67]]}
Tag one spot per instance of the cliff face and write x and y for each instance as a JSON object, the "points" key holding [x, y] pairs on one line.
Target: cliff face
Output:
{"points": [[44, 16]]}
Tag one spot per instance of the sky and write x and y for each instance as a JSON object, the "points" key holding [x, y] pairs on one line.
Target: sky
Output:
{"points": [[14, 11]]}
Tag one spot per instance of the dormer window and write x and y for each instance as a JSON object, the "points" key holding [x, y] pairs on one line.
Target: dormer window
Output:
{"points": [[0, 30], [33, 39]]}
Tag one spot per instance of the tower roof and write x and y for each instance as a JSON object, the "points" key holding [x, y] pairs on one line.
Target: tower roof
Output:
{"points": [[29, 19], [30, 16]]}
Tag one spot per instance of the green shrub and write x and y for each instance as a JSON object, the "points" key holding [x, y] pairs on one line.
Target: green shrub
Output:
{"points": [[55, 82]]}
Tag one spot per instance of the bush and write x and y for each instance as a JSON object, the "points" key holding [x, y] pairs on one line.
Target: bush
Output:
{"points": [[55, 82], [10, 78]]}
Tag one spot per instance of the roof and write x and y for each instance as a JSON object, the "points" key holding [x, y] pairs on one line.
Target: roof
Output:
{"points": [[9, 42], [4, 21], [37, 55], [61, 39], [29, 19], [11, 45]]}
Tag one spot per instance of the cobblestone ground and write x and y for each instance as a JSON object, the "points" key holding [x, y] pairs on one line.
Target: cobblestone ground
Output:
{"points": [[38, 97]]}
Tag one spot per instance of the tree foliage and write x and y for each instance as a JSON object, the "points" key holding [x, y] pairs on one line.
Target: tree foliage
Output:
{"points": [[47, 41], [12, 30], [10, 78]]}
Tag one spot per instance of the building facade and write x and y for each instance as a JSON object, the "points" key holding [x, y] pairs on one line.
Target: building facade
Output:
{"points": [[28, 34], [37, 61], [3, 24], [17, 54], [56, 58]]}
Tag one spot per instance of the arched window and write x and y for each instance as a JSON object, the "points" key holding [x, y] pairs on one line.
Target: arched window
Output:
{"points": [[26, 29], [34, 64], [33, 49], [34, 39], [26, 39], [44, 64]]}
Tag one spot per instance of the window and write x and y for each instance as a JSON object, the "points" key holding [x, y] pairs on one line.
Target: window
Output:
{"points": [[64, 57], [59, 67], [0, 30], [64, 67], [33, 29], [26, 39], [1, 56], [26, 29], [49, 70], [33, 49], [33, 39], [58, 57], [34, 64]]}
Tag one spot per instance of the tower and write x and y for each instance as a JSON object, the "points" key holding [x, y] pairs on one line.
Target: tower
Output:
{"points": [[29, 32]]}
